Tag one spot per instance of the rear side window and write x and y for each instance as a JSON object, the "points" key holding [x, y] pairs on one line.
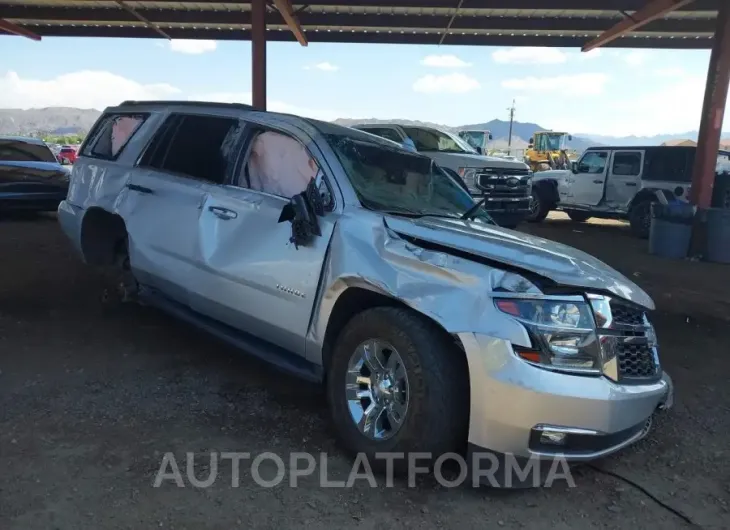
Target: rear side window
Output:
{"points": [[112, 134], [20, 151], [672, 164], [627, 164], [201, 147]]}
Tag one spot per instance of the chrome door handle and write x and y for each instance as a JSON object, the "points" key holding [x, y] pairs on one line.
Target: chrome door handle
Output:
{"points": [[222, 213]]}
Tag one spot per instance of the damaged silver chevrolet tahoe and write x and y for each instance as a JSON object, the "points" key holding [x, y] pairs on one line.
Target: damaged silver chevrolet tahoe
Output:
{"points": [[344, 259]]}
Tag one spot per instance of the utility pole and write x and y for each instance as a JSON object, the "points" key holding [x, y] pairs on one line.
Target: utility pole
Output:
{"points": [[511, 121]]}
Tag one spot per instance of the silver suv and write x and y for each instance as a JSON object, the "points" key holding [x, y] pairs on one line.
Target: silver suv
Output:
{"points": [[346, 260]]}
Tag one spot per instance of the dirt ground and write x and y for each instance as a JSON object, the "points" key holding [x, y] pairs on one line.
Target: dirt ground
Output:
{"points": [[92, 396]]}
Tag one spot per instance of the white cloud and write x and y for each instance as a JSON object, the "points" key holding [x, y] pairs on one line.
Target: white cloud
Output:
{"points": [[595, 53], [444, 61], [529, 55], [450, 83], [325, 67], [84, 89], [569, 85], [193, 47], [271, 104], [636, 57], [670, 71]]}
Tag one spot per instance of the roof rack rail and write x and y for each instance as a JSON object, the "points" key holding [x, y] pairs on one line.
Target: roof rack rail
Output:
{"points": [[132, 102]]}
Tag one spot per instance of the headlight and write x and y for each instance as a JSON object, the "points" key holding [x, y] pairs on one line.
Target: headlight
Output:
{"points": [[468, 174], [562, 332]]}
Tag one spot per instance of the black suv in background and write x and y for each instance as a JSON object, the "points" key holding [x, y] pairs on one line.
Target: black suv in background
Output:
{"points": [[31, 178]]}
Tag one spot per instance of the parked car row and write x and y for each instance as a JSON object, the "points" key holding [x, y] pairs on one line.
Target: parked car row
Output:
{"points": [[343, 258], [31, 177]]}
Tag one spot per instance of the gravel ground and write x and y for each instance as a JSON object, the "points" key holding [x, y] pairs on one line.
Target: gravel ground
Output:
{"points": [[93, 395]]}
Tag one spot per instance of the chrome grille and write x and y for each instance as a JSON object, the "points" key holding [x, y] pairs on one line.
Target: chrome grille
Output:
{"points": [[636, 360], [625, 315], [511, 183], [635, 353]]}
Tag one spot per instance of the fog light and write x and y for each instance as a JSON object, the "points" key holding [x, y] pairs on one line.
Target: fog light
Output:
{"points": [[552, 437]]}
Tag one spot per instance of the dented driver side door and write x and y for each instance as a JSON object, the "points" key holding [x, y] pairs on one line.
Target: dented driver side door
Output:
{"points": [[249, 274]]}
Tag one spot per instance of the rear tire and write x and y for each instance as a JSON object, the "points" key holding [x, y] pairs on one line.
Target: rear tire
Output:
{"points": [[436, 415], [640, 219], [539, 208], [577, 216]]}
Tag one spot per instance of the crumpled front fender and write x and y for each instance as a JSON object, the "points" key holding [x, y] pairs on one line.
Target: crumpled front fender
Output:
{"points": [[454, 292]]}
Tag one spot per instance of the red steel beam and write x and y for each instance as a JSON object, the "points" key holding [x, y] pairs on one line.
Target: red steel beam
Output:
{"points": [[135, 14], [287, 12], [9, 27], [258, 54], [713, 111], [652, 11]]}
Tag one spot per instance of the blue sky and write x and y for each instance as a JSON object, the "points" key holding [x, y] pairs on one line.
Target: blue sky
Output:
{"points": [[616, 92]]}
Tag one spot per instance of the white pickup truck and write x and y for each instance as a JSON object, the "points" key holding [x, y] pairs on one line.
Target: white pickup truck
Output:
{"points": [[503, 184]]}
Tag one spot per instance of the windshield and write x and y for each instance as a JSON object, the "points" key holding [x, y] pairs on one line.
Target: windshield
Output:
{"points": [[475, 138], [395, 181], [551, 142], [434, 140], [19, 151]]}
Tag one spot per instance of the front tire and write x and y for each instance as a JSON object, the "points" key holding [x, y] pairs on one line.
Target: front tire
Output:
{"points": [[397, 383], [539, 208]]}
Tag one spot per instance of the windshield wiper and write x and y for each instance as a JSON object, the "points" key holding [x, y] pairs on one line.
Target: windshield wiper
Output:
{"points": [[471, 211]]}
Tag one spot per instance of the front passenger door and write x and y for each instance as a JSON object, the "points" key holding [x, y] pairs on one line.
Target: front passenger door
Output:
{"points": [[250, 275], [587, 182]]}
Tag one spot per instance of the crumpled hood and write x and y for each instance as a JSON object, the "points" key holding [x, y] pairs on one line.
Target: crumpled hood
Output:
{"points": [[563, 264]]}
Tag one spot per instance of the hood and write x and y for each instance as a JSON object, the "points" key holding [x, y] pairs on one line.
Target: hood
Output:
{"points": [[474, 160], [564, 265], [551, 174]]}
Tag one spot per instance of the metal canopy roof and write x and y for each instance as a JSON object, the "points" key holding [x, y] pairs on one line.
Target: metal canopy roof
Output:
{"points": [[468, 22]]}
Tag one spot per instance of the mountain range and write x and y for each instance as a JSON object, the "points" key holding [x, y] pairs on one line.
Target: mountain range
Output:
{"points": [[69, 120]]}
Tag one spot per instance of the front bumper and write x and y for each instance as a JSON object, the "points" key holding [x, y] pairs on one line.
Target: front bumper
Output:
{"points": [[512, 402], [506, 205]]}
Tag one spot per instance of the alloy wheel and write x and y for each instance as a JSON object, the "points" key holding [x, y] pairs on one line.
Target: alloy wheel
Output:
{"points": [[377, 389]]}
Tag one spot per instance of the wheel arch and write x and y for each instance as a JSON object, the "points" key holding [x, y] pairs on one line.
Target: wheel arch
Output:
{"points": [[547, 188], [355, 295], [101, 234], [646, 194]]}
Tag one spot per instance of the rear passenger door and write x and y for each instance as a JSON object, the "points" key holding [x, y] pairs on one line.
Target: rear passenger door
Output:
{"points": [[624, 178], [165, 196], [250, 275]]}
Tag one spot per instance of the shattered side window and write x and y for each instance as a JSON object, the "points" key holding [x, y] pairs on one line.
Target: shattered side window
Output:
{"points": [[397, 181], [278, 164], [113, 135]]}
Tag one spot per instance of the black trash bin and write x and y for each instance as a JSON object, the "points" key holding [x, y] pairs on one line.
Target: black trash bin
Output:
{"points": [[671, 229], [718, 235]]}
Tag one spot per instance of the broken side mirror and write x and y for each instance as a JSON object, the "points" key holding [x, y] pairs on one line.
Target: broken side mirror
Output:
{"points": [[302, 212]]}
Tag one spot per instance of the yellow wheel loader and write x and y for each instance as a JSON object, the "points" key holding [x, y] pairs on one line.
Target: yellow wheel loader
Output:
{"points": [[547, 150]]}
